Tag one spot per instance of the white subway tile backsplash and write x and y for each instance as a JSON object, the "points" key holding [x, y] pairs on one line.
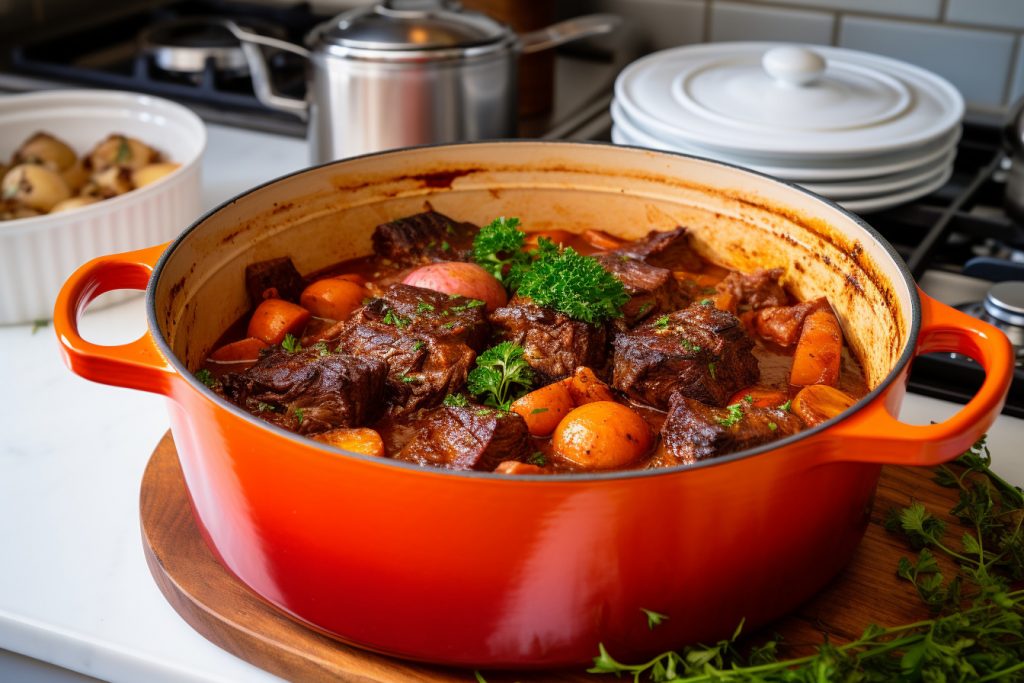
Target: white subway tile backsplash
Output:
{"points": [[654, 24], [734, 21], [997, 13], [921, 9], [977, 62]]}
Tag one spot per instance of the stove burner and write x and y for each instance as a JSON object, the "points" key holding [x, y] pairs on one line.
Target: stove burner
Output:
{"points": [[186, 45], [1003, 307]]}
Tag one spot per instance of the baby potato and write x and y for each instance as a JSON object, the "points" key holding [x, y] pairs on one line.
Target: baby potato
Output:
{"points": [[153, 172], [75, 176], [464, 279], [46, 150], [36, 187], [113, 182], [602, 435], [73, 203], [120, 150]]}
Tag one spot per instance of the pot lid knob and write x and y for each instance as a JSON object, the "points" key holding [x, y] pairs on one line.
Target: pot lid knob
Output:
{"points": [[1005, 302], [793, 66], [416, 25]]}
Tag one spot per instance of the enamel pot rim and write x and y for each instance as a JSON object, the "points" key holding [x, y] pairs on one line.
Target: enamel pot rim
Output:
{"points": [[533, 479]]}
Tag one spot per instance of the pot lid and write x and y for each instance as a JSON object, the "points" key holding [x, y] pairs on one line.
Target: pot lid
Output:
{"points": [[411, 25], [790, 100]]}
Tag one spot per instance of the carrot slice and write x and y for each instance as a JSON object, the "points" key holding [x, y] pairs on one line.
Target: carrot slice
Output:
{"points": [[275, 318], [360, 440], [818, 351], [333, 298], [724, 300], [819, 402], [243, 350], [585, 387], [599, 239], [760, 397], [542, 409], [702, 279], [351, 277]]}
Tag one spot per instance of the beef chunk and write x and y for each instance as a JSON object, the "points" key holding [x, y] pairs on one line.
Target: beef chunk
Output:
{"points": [[670, 250], [311, 390], [422, 368], [554, 344], [701, 352], [416, 311], [275, 278], [428, 340], [468, 437], [694, 431], [756, 290], [782, 324], [423, 237], [652, 290]]}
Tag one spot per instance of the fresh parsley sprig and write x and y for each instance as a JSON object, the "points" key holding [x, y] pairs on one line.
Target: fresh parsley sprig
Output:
{"points": [[498, 249], [574, 284], [501, 375]]}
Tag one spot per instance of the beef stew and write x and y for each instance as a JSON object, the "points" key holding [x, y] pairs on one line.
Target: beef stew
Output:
{"points": [[604, 354]]}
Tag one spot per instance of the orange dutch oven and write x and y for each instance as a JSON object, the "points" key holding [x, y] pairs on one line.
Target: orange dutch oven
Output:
{"points": [[485, 570]]}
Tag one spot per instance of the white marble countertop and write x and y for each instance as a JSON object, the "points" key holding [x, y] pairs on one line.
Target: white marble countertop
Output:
{"points": [[74, 587]]}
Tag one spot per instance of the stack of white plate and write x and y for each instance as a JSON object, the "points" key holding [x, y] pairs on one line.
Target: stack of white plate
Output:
{"points": [[866, 131]]}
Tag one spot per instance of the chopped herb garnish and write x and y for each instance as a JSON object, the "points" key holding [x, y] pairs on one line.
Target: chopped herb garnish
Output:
{"points": [[501, 375], [456, 401], [537, 458], [445, 246], [321, 347], [417, 345], [772, 426], [449, 228], [299, 414], [483, 411], [706, 302], [662, 323], [124, 151], [449, 326], [424, 307], [206, 377], [410, 379], [392, 318], [653, 618], [735, 415], [692, 348], [748, 399], [538, 411], [786, 406], [711, 370], [291, 344], [472, 303], [647, 305], [266, 407]]}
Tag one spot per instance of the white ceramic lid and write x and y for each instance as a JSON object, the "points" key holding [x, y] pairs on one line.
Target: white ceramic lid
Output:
{"points": [[787, 101], [827, 170]]}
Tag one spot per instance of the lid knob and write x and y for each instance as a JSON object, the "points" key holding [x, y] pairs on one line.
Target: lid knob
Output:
{"points": [[793, 66]]}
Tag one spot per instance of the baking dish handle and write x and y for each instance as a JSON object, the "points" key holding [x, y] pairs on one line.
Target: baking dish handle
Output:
{"points": [[873, 434], [136, 365]]}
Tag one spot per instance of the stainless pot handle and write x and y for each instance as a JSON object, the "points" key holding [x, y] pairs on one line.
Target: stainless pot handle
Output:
{"points": [[261, 83], [567, 31]]}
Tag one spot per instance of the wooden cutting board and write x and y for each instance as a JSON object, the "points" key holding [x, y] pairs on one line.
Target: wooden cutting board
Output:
{"points": [[224, 611]]}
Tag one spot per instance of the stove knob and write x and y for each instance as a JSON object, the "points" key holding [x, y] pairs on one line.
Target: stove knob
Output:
{"points": [[1005, 303]]}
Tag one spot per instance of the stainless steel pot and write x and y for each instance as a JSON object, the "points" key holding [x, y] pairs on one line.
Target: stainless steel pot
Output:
{"points": [[408, 72]]}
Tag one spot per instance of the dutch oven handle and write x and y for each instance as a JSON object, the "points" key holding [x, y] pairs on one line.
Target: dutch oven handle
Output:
{"points": [[873, 434], [136, 365]]}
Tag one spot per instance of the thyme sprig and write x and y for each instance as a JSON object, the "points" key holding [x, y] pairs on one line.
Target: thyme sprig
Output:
{"points": [[975, 633]]}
